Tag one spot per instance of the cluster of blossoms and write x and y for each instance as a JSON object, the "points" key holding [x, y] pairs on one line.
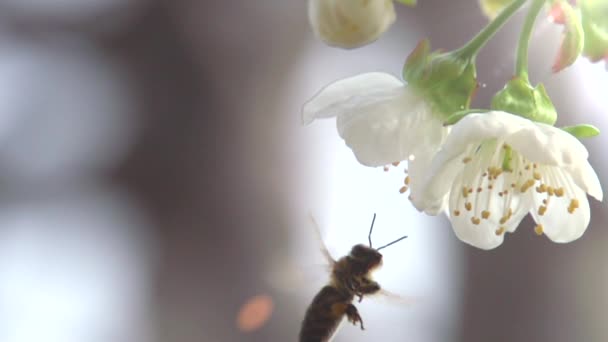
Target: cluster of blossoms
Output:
{"points": [[486, 169]]}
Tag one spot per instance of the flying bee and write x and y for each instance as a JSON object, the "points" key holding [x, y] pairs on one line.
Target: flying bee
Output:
{"points": [[350, 278]]}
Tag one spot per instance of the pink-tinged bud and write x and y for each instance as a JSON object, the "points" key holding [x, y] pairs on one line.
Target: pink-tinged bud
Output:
{"points": [[573, 37]]}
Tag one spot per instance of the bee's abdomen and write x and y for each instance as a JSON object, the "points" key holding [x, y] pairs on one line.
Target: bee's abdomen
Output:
{"points": [[324, 314]]}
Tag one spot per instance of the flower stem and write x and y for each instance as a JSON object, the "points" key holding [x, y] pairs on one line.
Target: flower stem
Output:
{"points": [[521, 63], [470, 49]]}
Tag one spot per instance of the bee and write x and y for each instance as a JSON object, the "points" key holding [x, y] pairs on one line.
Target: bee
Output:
{"points": [[350, 278]]}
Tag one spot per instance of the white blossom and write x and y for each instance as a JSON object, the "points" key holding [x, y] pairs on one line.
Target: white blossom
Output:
{"points": [[383, 121], [350, 23], [495, 168]]}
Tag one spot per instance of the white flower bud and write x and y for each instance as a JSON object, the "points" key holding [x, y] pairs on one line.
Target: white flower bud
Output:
{"points": [[350, 23]]}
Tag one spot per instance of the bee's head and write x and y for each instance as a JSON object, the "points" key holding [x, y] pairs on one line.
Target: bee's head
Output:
{"points": [[368, 256]]}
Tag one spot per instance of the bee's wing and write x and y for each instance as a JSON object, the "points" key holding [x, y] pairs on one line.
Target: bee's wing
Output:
{"points": [[328, 258], [394, 298]]}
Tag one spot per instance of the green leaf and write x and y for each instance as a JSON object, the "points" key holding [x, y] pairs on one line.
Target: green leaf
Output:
{"points": [[582, 130], [410, 3]]}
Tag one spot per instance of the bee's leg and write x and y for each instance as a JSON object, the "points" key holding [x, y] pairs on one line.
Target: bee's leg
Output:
{"points": [[353, 315], [368, 287]]}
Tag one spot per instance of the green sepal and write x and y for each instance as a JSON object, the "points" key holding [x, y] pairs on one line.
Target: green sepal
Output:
{"points": [[520, 98], [457, 116], [582, 131], [410, 3], [446, 80], [594, 14], [573, 37]]}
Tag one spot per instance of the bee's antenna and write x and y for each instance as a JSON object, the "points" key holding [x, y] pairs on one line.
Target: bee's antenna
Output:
{"points": [[369, 237], [394, 242]]}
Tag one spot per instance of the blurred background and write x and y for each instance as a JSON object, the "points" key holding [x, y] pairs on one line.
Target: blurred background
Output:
{"points": [[156, 182]]}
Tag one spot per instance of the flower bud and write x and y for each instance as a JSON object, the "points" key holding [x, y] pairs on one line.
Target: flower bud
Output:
{"points": [[350, 23], [573, 38]]}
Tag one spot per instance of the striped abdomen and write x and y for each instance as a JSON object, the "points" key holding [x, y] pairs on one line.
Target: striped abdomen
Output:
{"points": [[324, 314]]}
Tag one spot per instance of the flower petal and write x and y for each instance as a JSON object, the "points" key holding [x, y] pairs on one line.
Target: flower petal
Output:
{"points": [[342, 96], [558, 223], [418, 172], [552, 146], [487, 217], [471, 130]]}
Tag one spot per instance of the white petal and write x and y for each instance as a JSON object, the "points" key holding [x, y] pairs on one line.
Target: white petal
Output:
{"points": [[558, 224], [418, 170], [536, 142], [342, 96], [484, 234], [391, 130], [552, 146], [350, 23]]}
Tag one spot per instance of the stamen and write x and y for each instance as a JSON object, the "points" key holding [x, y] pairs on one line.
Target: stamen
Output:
{"points": [[485, 214], [573, 205], [395, 163], [541, 210], [403, 189], [539, 229], [385, 168], [456, 212], [407, 180], [500, 231], [475, 220], [468, 206], [466, 160]]}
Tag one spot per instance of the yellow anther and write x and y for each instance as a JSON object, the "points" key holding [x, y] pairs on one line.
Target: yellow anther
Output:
{"points": [[541, 210], [456, 212], [475, 220], [403, 189], [406, 181], [536, 175], [468, 206], [500, 231], [573, 205], [465, 192], [485, 214], [550, 191], [527, 185], [559, 192], [466, 159], [539, 229]]}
